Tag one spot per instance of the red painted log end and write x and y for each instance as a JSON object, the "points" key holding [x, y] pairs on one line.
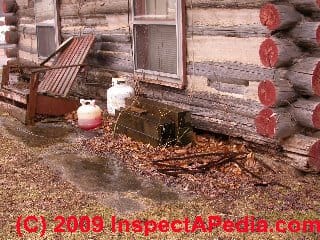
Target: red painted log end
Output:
{"points": [[314, 156], [318, 35], [267, 93], [270, 16], [269, 53], [11, 37], [266, 123], [316, 117], [9, 6], [316, 80], [10, 20]]}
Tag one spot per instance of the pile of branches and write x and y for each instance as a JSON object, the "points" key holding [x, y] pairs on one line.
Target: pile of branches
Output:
{"points": [[198, 163]]}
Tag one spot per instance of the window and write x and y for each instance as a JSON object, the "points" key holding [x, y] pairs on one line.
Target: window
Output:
{"points": [[46, 26], [46, 40], [159, 41]]}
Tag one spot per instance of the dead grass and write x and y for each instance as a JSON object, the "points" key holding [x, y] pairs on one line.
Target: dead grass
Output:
{"points": [[29, 188]]}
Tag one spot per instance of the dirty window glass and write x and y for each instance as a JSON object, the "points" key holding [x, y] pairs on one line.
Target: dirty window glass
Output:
{"points": [[45, 14], [156, 48], [155, 9]]}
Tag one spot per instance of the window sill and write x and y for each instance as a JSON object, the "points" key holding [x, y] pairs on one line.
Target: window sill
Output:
{"points": [[160, 80]]}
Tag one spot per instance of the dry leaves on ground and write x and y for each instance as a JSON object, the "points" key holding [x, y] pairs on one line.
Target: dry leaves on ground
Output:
{"points": [[206, 166]]}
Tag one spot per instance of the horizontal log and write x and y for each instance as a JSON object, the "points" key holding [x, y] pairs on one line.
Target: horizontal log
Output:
{"points": [[226, 3], [27, 29], [26, 12], [28, 49], [298, 161], [28, 57], [224, 49], [275, 52], [112, 60], [84, 30], [306, 34], [113, 37], [303, 151], [307, 112], [99, 75], [276, 92], [241, 23], [228, 87], [114, 47], [306, 5], [222, 17], [276, 123], [230, 72], [305, 76], [213, 101], [107, 7], [215, 112], [26, 20], [244, 31], [279, 17]]}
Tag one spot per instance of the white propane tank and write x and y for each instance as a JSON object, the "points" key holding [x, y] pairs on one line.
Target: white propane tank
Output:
{"points": [[89, 115], [117, 94]]}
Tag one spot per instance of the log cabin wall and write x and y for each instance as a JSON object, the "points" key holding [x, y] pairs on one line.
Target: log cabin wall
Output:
{"points": [[27, 46], [224, 67], [112, 53]]}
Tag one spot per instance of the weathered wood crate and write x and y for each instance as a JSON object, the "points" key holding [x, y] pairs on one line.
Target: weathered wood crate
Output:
{"points": [[155, 123]]}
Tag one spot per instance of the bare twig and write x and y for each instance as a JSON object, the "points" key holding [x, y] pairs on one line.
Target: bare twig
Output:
{"points": [[196, 155], [175, 170]]}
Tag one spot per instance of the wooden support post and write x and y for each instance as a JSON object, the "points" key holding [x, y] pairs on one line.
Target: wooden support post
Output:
{"points": [[276, 92], [275, 52], [307, 112], [275, 123], [279, 17], [32, 99]]}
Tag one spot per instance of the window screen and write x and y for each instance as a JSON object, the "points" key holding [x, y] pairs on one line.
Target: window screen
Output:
{"points": [[156, 48], [46, 40]]}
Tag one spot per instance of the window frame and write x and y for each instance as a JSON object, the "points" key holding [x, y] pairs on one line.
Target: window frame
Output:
{"points": [[166, 79], [55, 25]]}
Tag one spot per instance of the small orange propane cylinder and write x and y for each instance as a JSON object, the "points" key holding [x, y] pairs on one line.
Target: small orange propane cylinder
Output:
{"points": [[89, 115]]}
